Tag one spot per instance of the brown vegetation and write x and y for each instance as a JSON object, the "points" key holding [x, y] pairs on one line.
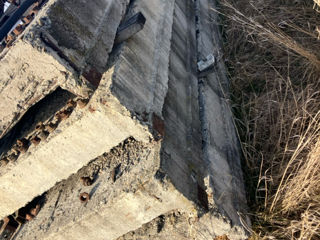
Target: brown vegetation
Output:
{"points": [[273, 55]]}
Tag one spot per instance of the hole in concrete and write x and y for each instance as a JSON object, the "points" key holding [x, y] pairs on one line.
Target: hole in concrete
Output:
{"points": [[160, 223], [42, 111], [84, 197], [203, 198]]}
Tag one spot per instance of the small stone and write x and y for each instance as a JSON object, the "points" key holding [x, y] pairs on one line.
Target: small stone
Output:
{"points": [[82, 103], [92, 109]]}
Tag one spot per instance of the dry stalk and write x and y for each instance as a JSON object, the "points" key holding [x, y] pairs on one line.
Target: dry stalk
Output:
{"points": [[273, 56]]}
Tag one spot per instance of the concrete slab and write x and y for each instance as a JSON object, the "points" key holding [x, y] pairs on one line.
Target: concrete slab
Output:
{"points": [[220, 142], [185, 155], [122, 106], [141, 79], [119, 202], [62, 43], [83, 136], [182, 154]]}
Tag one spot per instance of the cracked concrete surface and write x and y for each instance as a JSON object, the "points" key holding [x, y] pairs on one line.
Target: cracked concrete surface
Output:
{"points": [[32, 68], [169, 159], [110, 120], [120, 201]]}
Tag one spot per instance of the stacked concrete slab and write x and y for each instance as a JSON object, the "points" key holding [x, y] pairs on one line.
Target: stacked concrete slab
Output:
{"points": [[44, 70], [155, 136], [56, 50]]}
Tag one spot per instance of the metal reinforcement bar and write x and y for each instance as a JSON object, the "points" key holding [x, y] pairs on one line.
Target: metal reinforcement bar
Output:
{"points": [[130, 27]]}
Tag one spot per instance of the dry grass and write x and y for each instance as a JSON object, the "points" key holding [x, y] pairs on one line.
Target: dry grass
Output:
{"points": [[273, 54]]}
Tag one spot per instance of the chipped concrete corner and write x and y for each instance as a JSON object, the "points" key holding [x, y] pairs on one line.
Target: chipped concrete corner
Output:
{"points": [[153, 136]]}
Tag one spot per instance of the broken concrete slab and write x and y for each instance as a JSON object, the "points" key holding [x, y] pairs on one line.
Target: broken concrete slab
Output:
{"points": [[199, 169], [221, 145], [151, 92], [141, 78], [119, 200], [110, 116], [200, 121], [83, 136], [63, 42]]}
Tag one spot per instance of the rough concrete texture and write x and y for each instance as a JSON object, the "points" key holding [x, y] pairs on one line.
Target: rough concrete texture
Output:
{"points": [[141, 73], [24, 80], [185, 156], [198, 119], [181, 109], [105, 118], [174, 225], [83, 33], [72, 145], [221, 146], [126, 193], [178, 225]]}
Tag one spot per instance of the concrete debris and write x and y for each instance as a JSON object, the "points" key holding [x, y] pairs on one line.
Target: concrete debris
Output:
{"points": [[207, 63], [106, 115]]}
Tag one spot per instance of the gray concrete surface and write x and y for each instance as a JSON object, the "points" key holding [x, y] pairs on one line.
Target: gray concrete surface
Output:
{"points": [[221, 145], [141, 73], [182, 154], [184, 159], [30, 69], [120, 201], [108, 117], [198, 117], [83, 136]]}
